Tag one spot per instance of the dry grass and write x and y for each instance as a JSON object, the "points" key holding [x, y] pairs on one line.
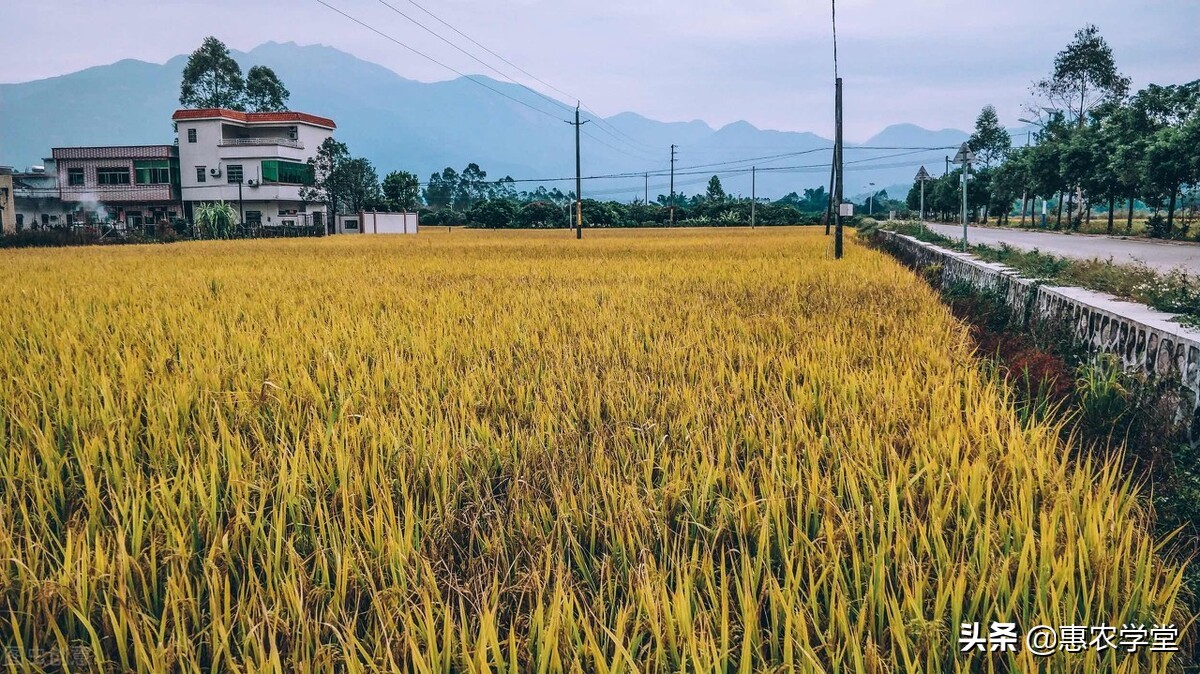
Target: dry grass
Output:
{"points": [[483, 451]]}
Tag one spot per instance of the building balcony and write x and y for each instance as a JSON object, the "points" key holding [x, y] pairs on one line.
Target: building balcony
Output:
{"points": [[242, 142]]}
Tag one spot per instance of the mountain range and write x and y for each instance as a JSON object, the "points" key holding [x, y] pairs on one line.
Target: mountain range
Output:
{"points": [[402, 124]]}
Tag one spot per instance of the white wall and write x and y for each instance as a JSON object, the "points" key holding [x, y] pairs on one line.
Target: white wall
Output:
{"points": [[389, 223]]}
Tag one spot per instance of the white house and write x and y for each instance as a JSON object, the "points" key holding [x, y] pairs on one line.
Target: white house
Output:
{"points": [[255, 161]]}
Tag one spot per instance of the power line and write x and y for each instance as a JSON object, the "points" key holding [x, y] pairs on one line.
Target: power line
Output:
{"points": [[429, 30], [468, 77], [433, 60], [488, 65], [602, 124]]}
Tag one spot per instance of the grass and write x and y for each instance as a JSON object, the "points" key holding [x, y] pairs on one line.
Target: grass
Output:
{"points": [[645, 451], [1176, 291], [1185, 224]]}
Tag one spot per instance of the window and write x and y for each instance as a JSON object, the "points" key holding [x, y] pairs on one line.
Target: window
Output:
{"points": [[191, 135], [233, 173], [350, 224], [201, 176], [152, 171], [75, 177], [20, 220], [254, 218], [46, 219], [289, 223], [285, 172], [115, 175]]}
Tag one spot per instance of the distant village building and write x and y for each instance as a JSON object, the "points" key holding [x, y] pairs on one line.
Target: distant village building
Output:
{"points": [[38, 202], [255, 161], [8, 221], [132, 185]]}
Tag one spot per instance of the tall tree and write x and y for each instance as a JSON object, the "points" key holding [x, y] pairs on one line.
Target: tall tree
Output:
{"points": [[361, 185], [715, 192], [212, 79], [1167, 160], [1085, 76], [990, 142], [327, 176], [472, 187], [264, 91], [401, 191], [439, 193]]}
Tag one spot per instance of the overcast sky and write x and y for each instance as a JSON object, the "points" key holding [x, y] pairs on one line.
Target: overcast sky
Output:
{"points": [[930, 62]]}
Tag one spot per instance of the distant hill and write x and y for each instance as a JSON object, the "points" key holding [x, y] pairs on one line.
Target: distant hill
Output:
{"points": [[399, 123]]}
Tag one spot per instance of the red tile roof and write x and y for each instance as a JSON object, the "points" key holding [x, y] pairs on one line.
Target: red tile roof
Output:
{"points": [[253, 117]]}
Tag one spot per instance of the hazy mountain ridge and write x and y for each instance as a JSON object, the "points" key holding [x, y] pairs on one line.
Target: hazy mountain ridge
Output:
{"points": [[402, 124]]}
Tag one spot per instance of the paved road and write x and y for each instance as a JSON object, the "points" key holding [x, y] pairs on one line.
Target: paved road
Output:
{"points": [[1157, 254]]}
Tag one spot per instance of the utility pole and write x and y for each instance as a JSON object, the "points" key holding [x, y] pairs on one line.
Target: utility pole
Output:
{"points": [[646, 176], [673, 146], [837, 161], [964, 157], [1025, 188], [753, 195], [578, 179], [829, 206], [947, 171]]}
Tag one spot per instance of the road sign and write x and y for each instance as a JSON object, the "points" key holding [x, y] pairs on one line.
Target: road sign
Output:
{"points": [[922, 175], [964, 155], [846, 210]]}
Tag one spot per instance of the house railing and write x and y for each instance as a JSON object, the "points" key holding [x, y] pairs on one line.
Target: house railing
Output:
{"points": [[285, 142]]}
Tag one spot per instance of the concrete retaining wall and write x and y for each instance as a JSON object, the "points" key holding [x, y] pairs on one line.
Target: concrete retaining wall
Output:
{"points": [[1145, 340]]}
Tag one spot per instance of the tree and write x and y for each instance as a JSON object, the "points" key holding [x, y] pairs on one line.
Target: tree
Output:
{"points": [[264, 91], [599, 213], [990, 142], [1167, 160], [540, 214], [504, 188], [494, 214], [715, 191], [472, 187], [361, 185], [327, 176], [439, 193], [1085, 75], [401, 191], [212, 79]]}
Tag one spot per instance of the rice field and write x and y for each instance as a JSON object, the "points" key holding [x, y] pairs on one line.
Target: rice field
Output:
{"points": [[647, 451]]}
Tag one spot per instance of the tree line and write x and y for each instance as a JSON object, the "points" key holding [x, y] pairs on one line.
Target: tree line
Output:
{"points": [[1096, 148], [348, 184]]}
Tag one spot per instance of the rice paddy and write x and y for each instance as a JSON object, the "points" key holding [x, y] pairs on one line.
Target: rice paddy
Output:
{"points": [[646, 451]]}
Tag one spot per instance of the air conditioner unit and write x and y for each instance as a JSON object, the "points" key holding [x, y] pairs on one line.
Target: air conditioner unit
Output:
{"points": [[214, 172], [252, 182], [292, 133]]}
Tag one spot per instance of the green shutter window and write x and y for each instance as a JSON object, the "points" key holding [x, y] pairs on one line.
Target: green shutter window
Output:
{"points": [[285, 172], [152, 171]]}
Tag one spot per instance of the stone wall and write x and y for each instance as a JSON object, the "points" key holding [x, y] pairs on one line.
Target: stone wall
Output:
{"points": [[1143, 339]]}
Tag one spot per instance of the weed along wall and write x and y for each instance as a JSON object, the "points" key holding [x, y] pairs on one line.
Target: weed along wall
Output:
{"points": [[1143, 339]]}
